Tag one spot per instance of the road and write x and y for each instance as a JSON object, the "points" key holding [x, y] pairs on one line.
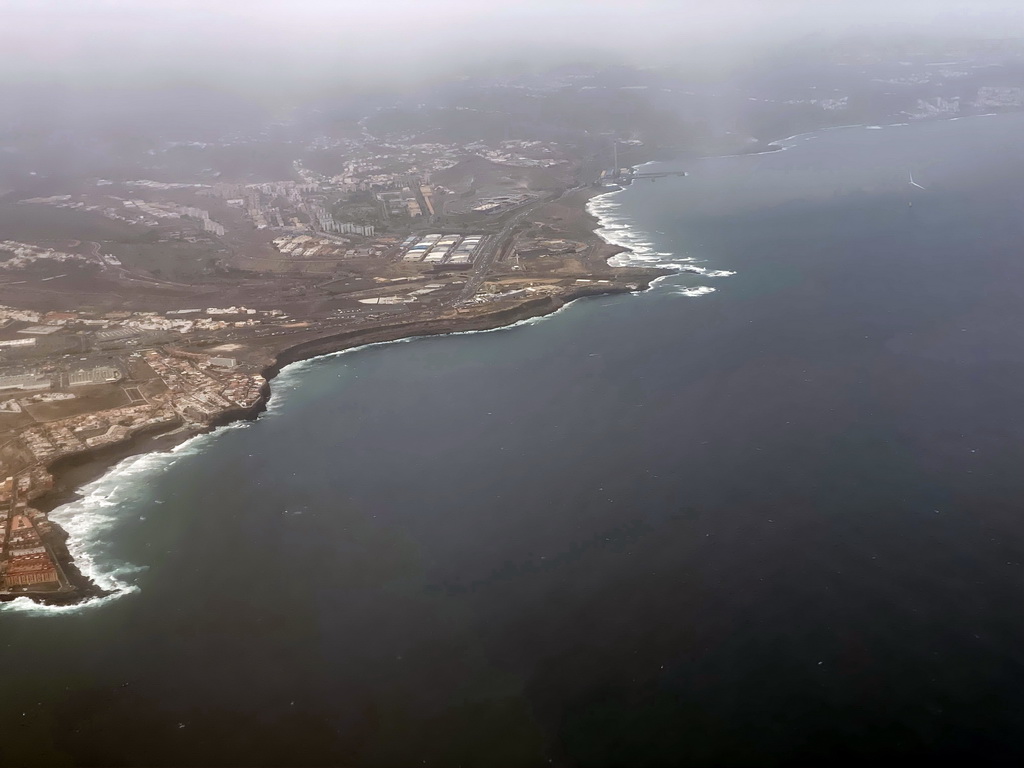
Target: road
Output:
{"points": [[494, 250]]}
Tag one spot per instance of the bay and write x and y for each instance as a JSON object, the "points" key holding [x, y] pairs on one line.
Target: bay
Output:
{"points": [[775, 523]]}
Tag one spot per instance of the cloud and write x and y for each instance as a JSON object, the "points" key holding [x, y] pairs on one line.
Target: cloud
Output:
{"points": [[295, 43]]}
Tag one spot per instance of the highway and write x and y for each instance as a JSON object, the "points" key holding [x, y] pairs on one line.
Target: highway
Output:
{"points": [[495, 248]]}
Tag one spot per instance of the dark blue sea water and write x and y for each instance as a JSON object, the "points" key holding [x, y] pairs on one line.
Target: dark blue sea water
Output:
{"points": [[777, 524]]}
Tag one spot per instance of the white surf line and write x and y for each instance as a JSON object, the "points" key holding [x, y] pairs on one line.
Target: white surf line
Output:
{"points": [[84, 518], [639, 251], [100, 508]]}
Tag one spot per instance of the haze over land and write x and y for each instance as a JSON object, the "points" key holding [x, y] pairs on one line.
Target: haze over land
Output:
{"points": [[183, 183], [262, 48], [753, 495]]}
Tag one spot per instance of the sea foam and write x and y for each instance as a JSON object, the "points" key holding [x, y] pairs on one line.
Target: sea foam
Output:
{"points": [[699, 290], [110, 499], [616, 229], [102, 505]]}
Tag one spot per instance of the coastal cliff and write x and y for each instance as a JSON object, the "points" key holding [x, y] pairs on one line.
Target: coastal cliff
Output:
{"points": [[70, 472]]}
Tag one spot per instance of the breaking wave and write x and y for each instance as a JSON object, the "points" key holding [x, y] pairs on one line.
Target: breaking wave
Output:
{"points": [[287, 380], [699, 290], [707, 272], [616, 229], [117, 495], [102, 505]]}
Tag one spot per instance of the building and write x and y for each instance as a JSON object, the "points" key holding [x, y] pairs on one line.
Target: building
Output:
{"points": [[462, 256], [101, 375], [30, 570], [28, 562], [196, 213], [116, 334], [350, 228], [40, 330], [209, 225], [25, 381]]}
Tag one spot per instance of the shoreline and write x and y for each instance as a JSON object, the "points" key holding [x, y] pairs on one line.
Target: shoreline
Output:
{"points": [[76, 470], [72, 472]]}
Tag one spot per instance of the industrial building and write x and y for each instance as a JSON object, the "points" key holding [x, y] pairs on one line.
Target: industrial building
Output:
{"points": [[101, 375], [462, 255], [117, 334], [440, 249], [25, 381], [447, 249], [420, 249], [40, 330]]}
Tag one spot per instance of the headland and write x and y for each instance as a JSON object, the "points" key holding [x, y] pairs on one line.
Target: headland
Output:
{"points": [[534, 264]]}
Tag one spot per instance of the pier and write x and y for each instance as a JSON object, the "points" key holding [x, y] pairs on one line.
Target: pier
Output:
{"points": [[653, 176], [625, 176]]}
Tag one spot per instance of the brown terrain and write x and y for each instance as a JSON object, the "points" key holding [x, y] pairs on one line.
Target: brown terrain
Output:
{"points": [[148, 334]]}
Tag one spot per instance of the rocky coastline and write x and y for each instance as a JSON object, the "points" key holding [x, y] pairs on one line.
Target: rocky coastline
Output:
{"points": [[71, 472]]}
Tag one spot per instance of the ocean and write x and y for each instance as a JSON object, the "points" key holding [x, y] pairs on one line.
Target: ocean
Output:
{"points": [[769, 512]]}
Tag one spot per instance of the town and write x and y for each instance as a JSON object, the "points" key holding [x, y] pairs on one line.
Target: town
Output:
{"points": [[100, 346], [158, 293]]}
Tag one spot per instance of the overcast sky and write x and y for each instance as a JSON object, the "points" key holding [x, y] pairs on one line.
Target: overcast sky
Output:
{"points": [[296, 41]]}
